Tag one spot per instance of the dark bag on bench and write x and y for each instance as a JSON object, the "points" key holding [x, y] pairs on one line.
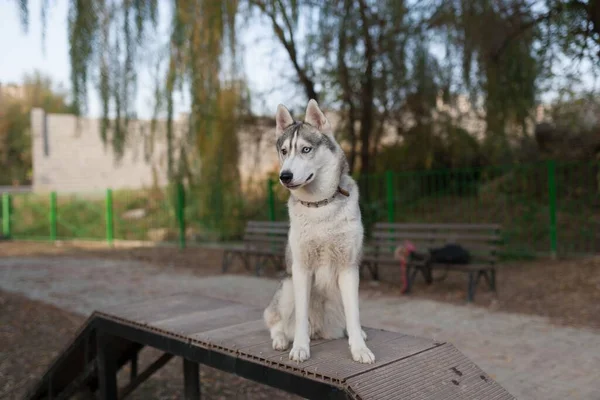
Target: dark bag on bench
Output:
{"points": [[450, 254]]}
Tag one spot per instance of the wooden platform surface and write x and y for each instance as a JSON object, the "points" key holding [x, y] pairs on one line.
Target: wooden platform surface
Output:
{"points": [[406, 367], [232, 337]]}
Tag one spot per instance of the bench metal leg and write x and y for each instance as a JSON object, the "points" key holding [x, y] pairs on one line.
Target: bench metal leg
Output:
{"points": [[258, 265], [226, 259], [191, 379], [363, 265], [493, 279], [372, 267], [375, 272], [411, 275], [246, 261], [427, 273], [107, 367], [471, 286]]}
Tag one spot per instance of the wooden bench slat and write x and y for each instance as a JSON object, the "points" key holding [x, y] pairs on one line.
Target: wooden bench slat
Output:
{"points": [[264, 251], [272, 224], [429, 243], [416, 226], [389, 259], [274, 231], [264, 245], [251, 238], [446, 236]]}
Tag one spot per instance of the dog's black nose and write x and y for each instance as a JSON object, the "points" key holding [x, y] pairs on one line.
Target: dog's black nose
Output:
{"points": [[286, 176]]}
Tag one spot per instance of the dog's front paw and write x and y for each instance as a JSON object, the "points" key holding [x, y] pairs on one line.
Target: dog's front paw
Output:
{"points": [[280, 343], [364, 334], [362, 355], [300, 353]]}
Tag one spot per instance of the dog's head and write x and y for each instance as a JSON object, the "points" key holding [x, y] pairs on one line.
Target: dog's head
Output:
{"points": [[305, 148]]}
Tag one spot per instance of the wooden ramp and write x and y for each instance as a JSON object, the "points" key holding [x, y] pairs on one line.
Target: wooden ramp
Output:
{"points": [[232, 337]]}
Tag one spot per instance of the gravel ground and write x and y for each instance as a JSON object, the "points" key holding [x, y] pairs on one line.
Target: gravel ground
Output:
{"points": [[32, 333], [565, 291]]}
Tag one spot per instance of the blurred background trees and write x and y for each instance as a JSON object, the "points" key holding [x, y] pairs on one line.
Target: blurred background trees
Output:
{"points": [[16, 102], [403, 76]]}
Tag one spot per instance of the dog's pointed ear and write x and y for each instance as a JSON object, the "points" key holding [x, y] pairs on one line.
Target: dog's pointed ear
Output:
{"points": [[283, 119], [315, 117]]}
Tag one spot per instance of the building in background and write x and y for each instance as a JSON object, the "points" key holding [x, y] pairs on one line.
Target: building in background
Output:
{"points": [[69, 156]]}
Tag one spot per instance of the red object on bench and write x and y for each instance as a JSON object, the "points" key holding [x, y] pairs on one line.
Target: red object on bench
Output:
{"points": [[403, 253]]}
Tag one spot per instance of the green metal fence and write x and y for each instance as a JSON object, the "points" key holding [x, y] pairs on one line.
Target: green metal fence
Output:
{"points": [[544, 208]]}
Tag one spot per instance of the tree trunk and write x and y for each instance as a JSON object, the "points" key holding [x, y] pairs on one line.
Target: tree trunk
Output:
{"points": [[347, 87], [290, 46], [367, 92]]}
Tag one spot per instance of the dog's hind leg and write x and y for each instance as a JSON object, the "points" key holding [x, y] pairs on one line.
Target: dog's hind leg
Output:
{"points": [[333, 323]]}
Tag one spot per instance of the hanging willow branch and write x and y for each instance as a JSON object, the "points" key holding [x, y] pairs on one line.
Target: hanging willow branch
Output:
{"points": [[104, 38]]}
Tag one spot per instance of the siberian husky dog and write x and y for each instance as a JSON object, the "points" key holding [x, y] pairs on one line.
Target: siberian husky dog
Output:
{"points": [[320, 298]]}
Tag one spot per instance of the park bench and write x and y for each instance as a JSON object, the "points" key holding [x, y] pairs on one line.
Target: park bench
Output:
{"points": [[263, 242], [233, 338], [480, 240]]}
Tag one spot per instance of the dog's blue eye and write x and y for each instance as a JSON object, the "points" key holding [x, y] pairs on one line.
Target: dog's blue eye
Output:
{"points": [[306, 150]]}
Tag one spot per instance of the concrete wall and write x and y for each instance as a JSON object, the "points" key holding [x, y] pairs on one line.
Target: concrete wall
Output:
{"points": [[69, 156]]}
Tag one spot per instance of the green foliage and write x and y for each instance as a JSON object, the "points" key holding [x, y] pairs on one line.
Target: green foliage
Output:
{"points": [[384, 65], [505, 81], [35, 90]]}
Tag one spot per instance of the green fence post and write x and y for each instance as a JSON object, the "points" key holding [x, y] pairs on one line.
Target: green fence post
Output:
{"points": [[551, 166], [110, 232], [53, 217], [181, 214], [389, 190], [271, 199], [6, 215]]}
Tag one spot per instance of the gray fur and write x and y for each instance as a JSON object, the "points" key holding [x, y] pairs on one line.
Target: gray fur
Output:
{"points": [[308, 133]]}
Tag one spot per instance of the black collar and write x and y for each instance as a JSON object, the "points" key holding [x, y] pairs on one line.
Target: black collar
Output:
{"points": [[317, 204]]}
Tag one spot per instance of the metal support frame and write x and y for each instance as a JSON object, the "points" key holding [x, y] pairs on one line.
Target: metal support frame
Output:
{"points": [[191, 380], [139, 379], [104, 334], [107, 367], [133, 371], [249, 369], [78, 383]]}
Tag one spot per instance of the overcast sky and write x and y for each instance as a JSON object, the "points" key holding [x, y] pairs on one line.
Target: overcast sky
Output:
{"points": [[24, 53], [267, 69]]}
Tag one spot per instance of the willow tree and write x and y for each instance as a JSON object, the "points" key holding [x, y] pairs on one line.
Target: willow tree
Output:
{"points": [[202, 41], [502, 84], [107, 39], [37, 90]]}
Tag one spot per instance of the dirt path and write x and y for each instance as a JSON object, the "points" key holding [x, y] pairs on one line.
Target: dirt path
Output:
{"points": [[566, 291]]}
